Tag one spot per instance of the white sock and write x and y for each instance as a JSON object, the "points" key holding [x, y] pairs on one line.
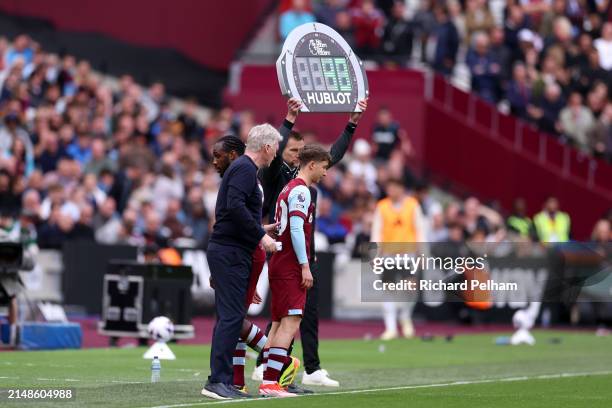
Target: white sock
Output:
{"points": [[390, 316], [406, 309]]}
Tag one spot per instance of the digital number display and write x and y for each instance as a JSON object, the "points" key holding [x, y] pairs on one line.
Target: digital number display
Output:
{"points": [[323, 74], [318, 67]]}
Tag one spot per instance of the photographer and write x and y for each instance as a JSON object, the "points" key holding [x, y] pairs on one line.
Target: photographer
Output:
{"points": [[14, 258]]}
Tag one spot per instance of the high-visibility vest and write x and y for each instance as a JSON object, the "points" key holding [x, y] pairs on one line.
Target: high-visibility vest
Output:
{"points": [[398, 223], [520, 224], [554, 229]]}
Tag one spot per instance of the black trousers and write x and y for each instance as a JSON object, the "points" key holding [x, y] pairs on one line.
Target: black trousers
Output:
{"points": [[309, 327], [229, 268]]}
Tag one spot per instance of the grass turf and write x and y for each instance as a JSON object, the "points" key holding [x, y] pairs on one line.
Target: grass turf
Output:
{"points": [[120, 377]]}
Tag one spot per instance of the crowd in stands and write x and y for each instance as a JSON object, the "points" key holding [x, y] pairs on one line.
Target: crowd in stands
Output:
{"points": [[548, 61], [80, 159], [351, 190]]}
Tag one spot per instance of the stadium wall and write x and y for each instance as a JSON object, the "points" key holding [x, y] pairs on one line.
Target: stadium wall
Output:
{"points": [[460, 142], [184, 25]]}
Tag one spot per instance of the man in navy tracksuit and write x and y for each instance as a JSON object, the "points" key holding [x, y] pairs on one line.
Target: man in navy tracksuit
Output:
{"points": [[236, 233]]}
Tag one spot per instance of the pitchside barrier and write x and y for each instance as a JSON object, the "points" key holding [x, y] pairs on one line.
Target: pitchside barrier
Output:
{"points": [[74, 277], [572, 277], [85, 264]]}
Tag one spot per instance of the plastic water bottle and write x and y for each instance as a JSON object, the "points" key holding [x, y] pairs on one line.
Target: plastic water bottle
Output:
{"points": [[155, 370]]}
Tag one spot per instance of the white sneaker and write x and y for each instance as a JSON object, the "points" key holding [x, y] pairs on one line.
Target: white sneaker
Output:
{"points": [[408, 329], [258, 373], [388, 335], [319, 377]]}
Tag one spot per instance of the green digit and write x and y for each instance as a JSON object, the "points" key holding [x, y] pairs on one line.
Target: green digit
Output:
{"points": [[343, 74], [331, 81]]}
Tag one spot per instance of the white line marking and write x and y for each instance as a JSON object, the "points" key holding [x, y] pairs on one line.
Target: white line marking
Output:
{"points": [[128, 382], [402, 387]]}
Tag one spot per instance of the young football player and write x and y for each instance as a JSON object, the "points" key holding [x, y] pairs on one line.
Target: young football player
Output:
{"points": [[289, 270]]}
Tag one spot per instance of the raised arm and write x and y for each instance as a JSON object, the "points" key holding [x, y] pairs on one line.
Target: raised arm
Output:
{"points": [[341, 145], [293, 108]]}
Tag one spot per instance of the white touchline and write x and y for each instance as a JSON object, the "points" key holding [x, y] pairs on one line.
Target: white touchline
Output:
{"points": [[402, 387]]}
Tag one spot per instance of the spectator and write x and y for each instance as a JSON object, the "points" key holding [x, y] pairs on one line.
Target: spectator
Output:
{"points": [[387, 136], [166, 187], [473, 219], [93, 193], [600, 136], [55, 199], [191, 127], [514, 24], [4, 46], [536, 9], [602, 233], [12, 131], [125, 183], [457, 16], [107, 223], [397, 36], [398, 170], [500, 53], [586, 67], [344, 26], [424, 23], [21, 49], [327, 12], [128, 234], [361, 166], [604, 47], [294, 17], [99, 159], [328, 224], [447, 42], [80, 150], [561, 37], [576, 121], [368, 22], [83, 229], [551, 224], [51, 234], [545, 111], [174, 220], [433, 222], [478, 18], [485, 70], [9, 199], [558, 9], [519, 91], [518, 222], [597, 98], [30, 205], [197, 219], [153, 234]]}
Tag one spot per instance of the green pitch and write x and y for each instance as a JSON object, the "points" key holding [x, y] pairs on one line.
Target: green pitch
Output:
{"points": [[470, 371]]}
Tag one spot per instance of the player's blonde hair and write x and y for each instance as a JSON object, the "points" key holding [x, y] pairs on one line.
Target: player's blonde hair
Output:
{"points": [[262, 135]]}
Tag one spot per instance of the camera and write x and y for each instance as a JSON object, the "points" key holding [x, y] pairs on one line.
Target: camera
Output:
{"points": [[12, 260]]}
